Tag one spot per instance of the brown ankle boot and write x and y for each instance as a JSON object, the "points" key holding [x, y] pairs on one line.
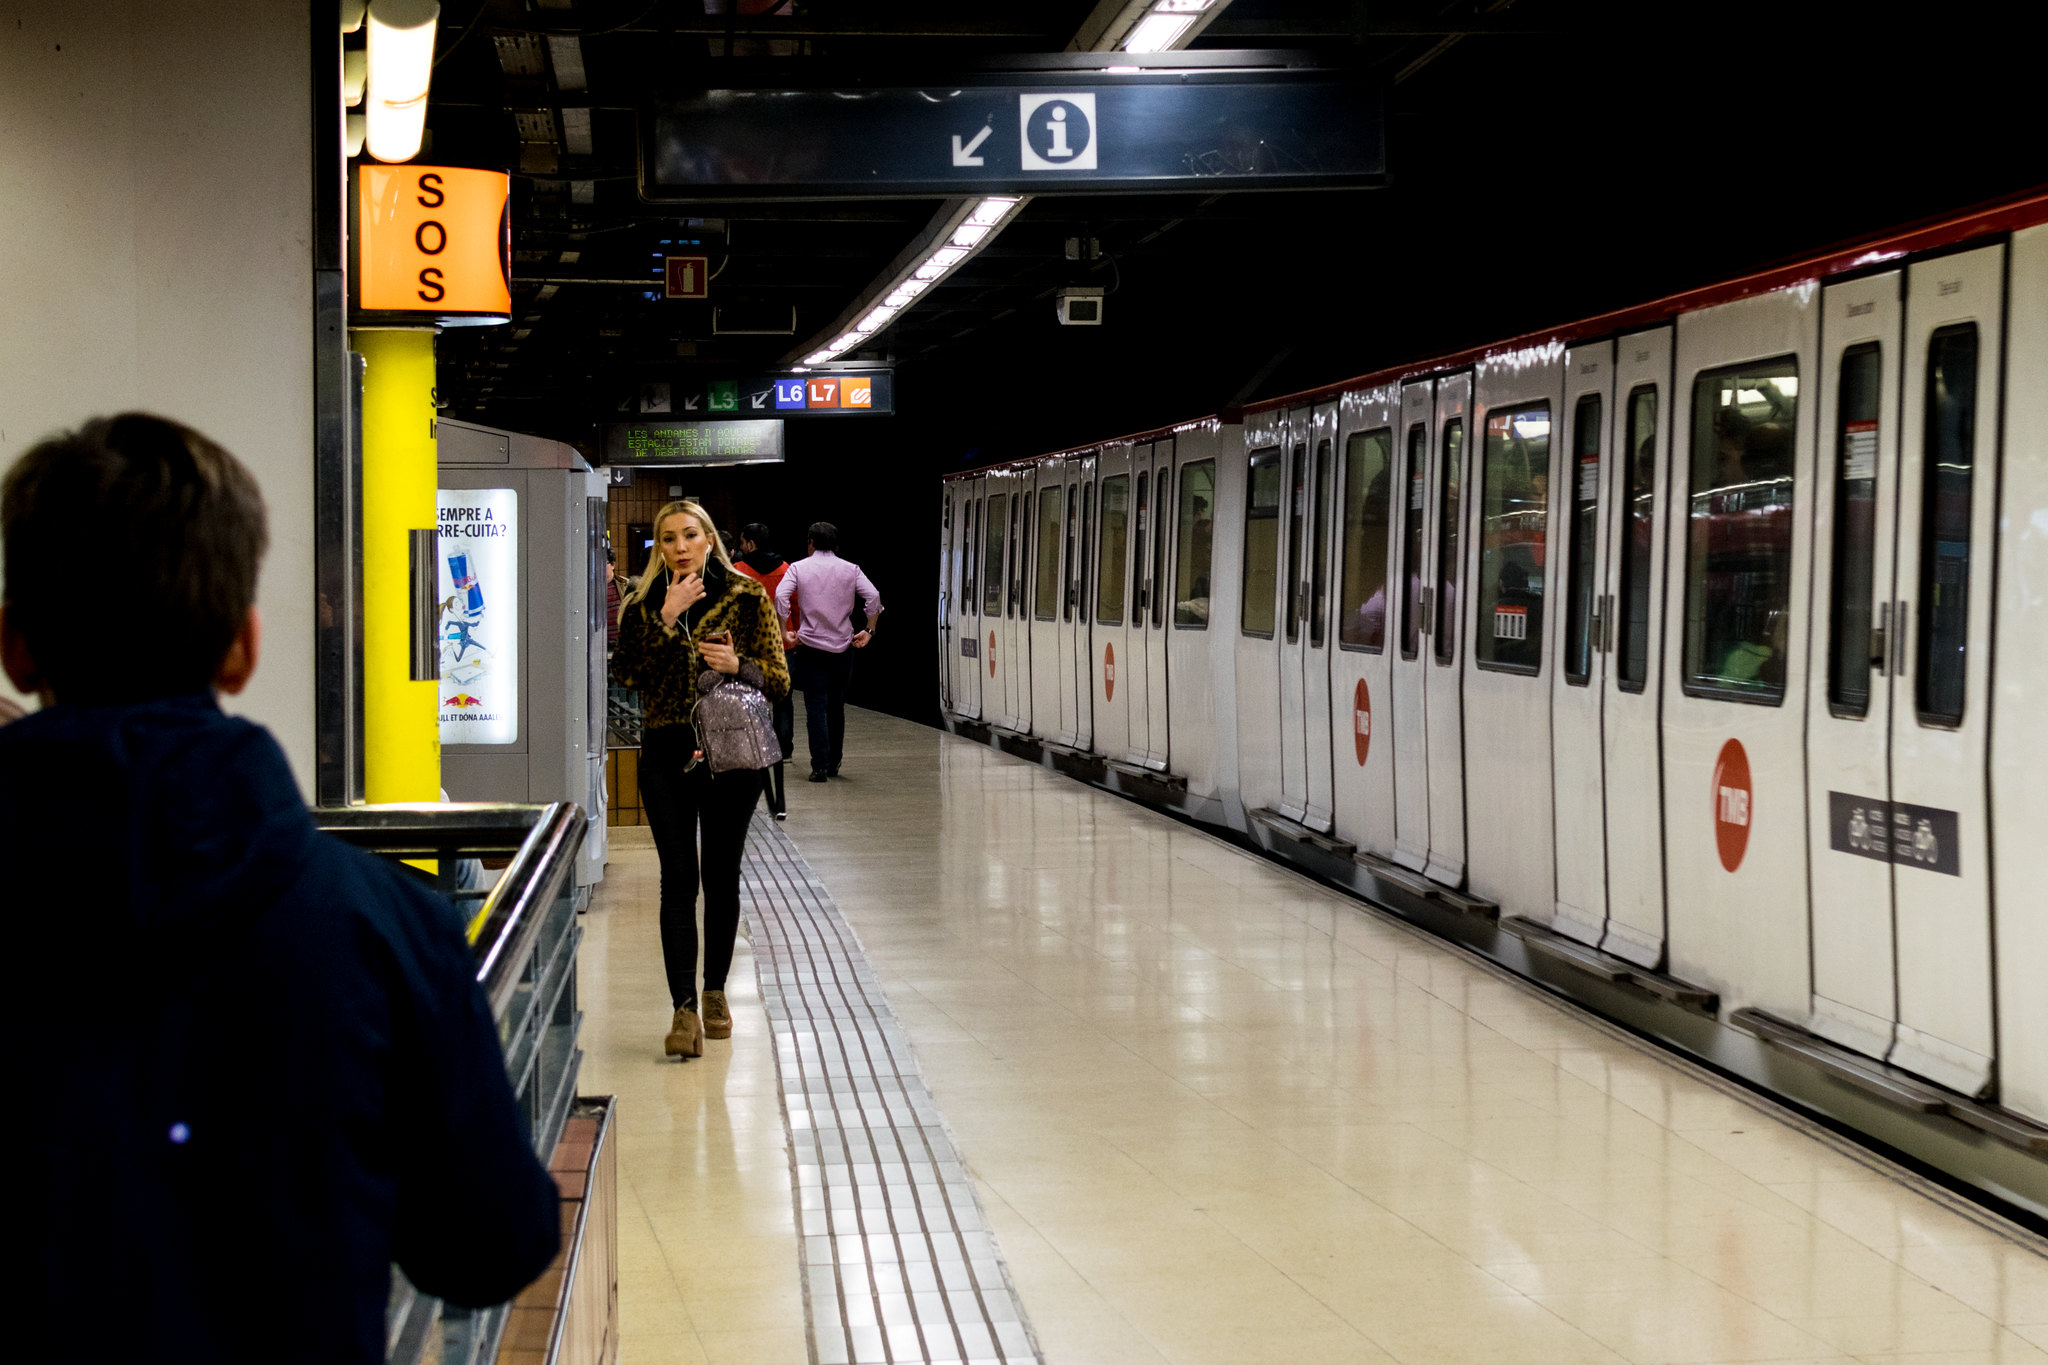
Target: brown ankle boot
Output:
{"points": [[685, 1038], [717, 1018]]}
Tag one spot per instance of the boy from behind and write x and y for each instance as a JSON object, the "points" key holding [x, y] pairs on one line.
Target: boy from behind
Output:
{"points": [[263, 1068]]}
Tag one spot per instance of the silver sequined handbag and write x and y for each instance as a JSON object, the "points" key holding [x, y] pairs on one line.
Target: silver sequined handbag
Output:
{"points": [[735, 723]]}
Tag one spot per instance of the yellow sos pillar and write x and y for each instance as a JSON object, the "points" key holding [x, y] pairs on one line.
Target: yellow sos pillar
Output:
{"points": [[431, 246], [401, 716]]}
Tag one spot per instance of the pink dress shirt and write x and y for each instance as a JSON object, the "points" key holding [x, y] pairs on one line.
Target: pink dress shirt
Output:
{"points": [[825, 586]]}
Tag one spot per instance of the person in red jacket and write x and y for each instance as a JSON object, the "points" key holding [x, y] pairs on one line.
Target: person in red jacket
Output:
{"points": [[762, 564]]}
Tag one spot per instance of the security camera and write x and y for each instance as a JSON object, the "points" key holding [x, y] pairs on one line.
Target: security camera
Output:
{"points": [[1080, 306]]}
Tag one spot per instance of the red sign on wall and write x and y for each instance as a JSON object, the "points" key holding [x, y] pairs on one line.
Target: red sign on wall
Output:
{"points": [[1361, 720], [1732, 804], [688, 277], [991, 654], [1109, 672]]}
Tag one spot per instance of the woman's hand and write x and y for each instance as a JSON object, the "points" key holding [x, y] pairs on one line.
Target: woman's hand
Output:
{"points": [[717, 652], [682, 594]]}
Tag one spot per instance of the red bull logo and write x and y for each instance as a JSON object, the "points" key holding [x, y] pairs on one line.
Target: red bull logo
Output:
{"points": [[463, 699]]}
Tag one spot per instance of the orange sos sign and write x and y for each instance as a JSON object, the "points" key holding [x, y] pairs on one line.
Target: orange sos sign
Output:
{"points": [[431, 239]]}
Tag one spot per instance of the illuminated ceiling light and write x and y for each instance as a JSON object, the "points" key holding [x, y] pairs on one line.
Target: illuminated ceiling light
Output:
{"points": [[967, 234], [1158, 32], [1181, 6], [818, 357], [401, 64], [991, 210], [355, 68], [352, 14], [353, 127]]}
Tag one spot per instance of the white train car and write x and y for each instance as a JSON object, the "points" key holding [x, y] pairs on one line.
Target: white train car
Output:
{"points": [[1692, 660]]}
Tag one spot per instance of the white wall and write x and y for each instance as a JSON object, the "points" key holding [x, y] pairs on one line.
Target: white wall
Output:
{"points": [[155, 253]]}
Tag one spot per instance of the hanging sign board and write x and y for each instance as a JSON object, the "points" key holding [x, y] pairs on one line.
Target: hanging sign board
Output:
{"points": [[479, 624], [1037, 132], [792, 393], [655, 441], [432, 242]]}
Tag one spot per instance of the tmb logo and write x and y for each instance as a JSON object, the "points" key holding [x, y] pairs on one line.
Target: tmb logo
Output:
{"points": [[1731, 804], [1057, 132]]}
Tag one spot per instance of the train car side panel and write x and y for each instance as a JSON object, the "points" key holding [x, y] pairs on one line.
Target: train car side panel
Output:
{"points": [[1361, 667], [1261, 601]]}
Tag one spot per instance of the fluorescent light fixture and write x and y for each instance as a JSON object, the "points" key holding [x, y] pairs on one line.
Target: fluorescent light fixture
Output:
{"points": [[355, 69], [1181, 6], [1156, 32], [352, 14], [353, 127], [876, 319], [991, 210], [401, 65], [817, 357], [967, 234]]}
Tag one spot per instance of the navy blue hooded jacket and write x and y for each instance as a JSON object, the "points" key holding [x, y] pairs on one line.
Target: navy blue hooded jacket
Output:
{"points": [[258, 1066]]}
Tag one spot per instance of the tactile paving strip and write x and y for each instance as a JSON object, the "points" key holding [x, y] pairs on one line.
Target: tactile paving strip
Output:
{"points": [[899, 1264]]}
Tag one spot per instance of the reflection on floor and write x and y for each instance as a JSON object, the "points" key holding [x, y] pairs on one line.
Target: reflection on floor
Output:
{"points": [[1217, 1113]]}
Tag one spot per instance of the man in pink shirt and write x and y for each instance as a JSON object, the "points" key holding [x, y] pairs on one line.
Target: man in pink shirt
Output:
{"points": [[824, 586]]}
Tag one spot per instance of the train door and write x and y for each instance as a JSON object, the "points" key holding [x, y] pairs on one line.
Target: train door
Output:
{"points": [[995, 533], [1849, 695], [969, 653], [1134, 657], [1292, 631], [1070, 534], [1112, 592], [1016, 615], [1737, 643], [1257, 648], [1043, 595], [1896, 808], [1079, 588], [1443, 678], [1157, 599], [1578, 683], [1638, 493], [1411, 752], [1366, 479], [949, 589], [1317, 607]]}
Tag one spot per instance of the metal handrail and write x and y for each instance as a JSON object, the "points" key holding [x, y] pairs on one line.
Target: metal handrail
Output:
{"points": [[529, 883]]}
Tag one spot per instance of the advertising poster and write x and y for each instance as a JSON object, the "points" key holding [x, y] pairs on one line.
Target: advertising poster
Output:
{"points": [[479, 604]]}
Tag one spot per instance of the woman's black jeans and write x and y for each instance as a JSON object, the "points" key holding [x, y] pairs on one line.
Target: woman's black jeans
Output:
{"points": [[679, 805]]}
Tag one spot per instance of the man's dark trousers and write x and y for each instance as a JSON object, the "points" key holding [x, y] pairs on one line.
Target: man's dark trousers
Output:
{"points": [[823, 676]]}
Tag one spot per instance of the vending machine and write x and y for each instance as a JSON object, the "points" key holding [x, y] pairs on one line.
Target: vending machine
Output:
{"points": [[520, 623]]}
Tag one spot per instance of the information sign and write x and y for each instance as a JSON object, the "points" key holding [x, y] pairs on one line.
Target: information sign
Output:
{"points": [[687, 277], [684, 442], [1046, 132], [432, 240], [793, 394]]}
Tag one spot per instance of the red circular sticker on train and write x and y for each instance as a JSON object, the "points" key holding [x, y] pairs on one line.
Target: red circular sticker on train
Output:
{"points": [[991, 654], [1731, 804], [1109, 672], [1361, 720]]}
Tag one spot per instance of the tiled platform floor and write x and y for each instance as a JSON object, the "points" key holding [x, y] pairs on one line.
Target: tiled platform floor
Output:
{"points": [[1216, 1113]]}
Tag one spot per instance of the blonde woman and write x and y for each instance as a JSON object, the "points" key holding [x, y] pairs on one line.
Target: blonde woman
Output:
{"points": [[691, 611]]}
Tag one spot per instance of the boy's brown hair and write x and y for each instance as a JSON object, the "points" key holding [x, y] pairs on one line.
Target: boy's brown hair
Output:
{"points": [[187, 524]]}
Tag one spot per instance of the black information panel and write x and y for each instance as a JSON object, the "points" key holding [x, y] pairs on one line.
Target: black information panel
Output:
{"points": [[1895, 832], [658, 442], [1066, 132]]}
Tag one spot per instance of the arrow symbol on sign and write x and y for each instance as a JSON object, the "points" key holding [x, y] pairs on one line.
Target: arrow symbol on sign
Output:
{"points": [[964, 156], [690, 403], [759, 400]]}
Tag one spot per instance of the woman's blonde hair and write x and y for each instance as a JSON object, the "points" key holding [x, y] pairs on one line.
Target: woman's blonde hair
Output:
{"points": [[656, 562]]}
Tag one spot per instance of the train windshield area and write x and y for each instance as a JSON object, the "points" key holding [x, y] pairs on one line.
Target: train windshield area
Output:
{"points": [[1739, 532]]}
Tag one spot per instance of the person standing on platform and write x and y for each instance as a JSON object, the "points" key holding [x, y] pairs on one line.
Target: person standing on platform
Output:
{"points": [[766, 567], [267, 1069], [827, 587], [689, 612]]}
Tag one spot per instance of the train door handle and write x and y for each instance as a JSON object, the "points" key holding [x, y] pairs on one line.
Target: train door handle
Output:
{"points": [[1424, 612], [1899, 639], [1880, 643], [1597, 627]]}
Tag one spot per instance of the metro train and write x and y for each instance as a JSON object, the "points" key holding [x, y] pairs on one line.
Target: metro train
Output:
{"points": [[1693, 656]]}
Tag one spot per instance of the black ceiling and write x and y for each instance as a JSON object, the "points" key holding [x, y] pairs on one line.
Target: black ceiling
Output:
{"points": [[1549, 160]]}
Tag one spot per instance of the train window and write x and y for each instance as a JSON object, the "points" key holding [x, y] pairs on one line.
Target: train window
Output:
{"points": [[1411, 542], [1445, 627], [1637, 565], [992, 557], [1197, 523], [1073, 568], [1948, 454], [1157, 589], [1584, 530], [1853, 590], [1297, 505], [1319, 570], [1362, 618], [1019, 528], [1048, 554], [1141, 554], [1738, 593], [1514, 519], [1113, 553], [1261, 544]]}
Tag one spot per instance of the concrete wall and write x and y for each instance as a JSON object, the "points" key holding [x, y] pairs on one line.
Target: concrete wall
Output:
{"points": [[155, 253]]}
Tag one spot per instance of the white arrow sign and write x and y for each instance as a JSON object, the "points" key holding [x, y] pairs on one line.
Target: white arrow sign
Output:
{"points": [[964, 156]]}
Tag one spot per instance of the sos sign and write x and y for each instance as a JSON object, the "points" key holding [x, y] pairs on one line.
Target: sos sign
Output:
{"points": [[432, 240]]}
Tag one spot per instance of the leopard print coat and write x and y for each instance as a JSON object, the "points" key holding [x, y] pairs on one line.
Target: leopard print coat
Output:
{"points": [[662, 661]]}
